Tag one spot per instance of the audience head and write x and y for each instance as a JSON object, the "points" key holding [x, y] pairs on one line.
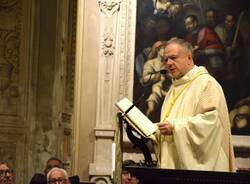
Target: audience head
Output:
{"points": [[6, 176], [126, 176], [57, 176], [38, 178], [51, 163]]}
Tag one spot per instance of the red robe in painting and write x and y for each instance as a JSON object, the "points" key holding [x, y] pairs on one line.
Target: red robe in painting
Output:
{"points": [[209, 50], [205, 38]]}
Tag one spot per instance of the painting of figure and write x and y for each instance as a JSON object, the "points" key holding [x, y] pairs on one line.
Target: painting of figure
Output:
{"points": [[219, 33]]}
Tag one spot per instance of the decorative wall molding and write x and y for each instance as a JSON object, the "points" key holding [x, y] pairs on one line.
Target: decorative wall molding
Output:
{"points": [[109, 7], [110, 10], [14, 84], [8, 152], [108, 43], [9, 62], [10, 58], [12, 151], [127, 49], [101, 180], [71, 52], [7, 3], [104, 133], [66, 117]]}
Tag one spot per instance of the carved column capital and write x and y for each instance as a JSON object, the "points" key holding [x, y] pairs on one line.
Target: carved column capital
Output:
{"points": [[109, 7]]}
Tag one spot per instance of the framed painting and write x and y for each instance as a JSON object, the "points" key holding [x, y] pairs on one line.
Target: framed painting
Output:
{"points": [[228, 22]]}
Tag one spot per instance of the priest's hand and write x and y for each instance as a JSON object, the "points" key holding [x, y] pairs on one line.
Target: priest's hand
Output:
{"points": [[165, 128]]}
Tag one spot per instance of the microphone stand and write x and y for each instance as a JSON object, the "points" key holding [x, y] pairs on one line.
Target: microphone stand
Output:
{"points": [[163, 72], [138, 142]]}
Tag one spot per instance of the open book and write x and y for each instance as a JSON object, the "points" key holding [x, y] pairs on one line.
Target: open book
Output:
{"points": [[136, 118]]}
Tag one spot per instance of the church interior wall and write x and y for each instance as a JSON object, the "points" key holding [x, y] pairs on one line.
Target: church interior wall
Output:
{"points": [[43, 124]]}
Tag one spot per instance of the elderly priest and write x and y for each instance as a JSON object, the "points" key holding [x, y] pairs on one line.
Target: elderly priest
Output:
{"points": [[194, 131]]}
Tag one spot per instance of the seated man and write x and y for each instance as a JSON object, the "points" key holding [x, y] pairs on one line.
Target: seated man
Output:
{"points": [[38, 178], [126, 175], [57, 176], [6, 176], [56, 162], [51, 163]]}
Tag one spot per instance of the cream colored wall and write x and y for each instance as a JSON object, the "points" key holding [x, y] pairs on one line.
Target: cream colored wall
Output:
{"points": [[86, 85]]}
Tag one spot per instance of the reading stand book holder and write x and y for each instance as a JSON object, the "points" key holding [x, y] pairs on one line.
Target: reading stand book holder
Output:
{"points": [[138, 142]]}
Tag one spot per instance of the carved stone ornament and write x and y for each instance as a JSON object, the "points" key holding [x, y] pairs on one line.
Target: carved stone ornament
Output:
{"points": [[109, 7], [108, 44], [101, 180], [7, 3], [9, 57]]}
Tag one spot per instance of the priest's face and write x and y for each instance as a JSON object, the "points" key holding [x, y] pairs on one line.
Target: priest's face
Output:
{"points": [[178, 60]]}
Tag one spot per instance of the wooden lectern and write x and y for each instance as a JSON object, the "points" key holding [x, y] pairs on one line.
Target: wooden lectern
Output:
{"points": [[170, 176]]}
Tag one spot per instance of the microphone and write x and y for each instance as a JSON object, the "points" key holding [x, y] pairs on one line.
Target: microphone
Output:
{"points": [[163, 72], [148, 81]]}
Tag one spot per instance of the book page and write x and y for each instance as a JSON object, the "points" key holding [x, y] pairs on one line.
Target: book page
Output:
{"points": [[136, 118]]}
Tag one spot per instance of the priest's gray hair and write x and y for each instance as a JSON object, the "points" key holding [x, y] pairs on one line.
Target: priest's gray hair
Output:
{"points": [[57, 169], [183, 43]]}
